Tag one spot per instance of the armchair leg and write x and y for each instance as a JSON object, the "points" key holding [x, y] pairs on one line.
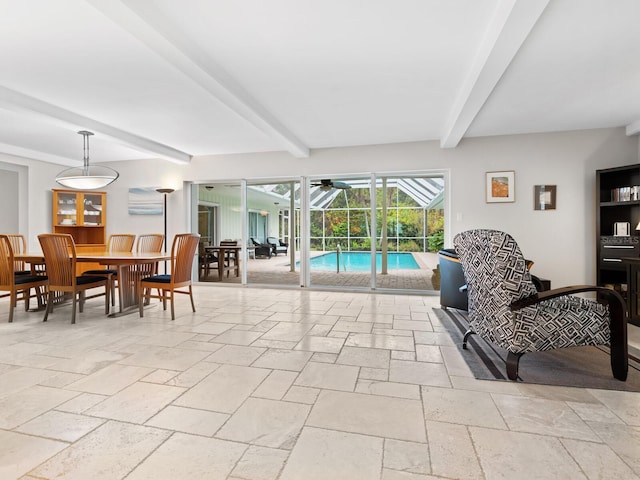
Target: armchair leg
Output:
{"points": [[467, 334], [619, 348], [512, 365]]}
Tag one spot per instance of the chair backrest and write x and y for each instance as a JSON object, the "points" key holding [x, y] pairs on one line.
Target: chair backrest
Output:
{"points": [[496, 274], [183, 252], [150, 243], [19, 245], [121, 242], [59, 252], [229, 242], [6, 262]]}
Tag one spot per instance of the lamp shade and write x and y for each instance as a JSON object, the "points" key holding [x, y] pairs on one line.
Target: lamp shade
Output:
{"points": [[86, 177]]}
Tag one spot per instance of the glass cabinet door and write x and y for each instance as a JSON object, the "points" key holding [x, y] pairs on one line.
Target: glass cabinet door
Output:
{"points": [[92, 209], [66, 212]]}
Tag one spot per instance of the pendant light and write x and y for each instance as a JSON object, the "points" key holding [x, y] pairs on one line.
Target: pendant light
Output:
{"points": [[86, 177]]}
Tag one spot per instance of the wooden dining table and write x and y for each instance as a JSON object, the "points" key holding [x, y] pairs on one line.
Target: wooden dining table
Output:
{"points": [[131, 267], [228, 258]]}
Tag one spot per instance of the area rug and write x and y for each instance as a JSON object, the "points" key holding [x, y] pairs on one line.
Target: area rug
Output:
{"points": [[586, 367]]}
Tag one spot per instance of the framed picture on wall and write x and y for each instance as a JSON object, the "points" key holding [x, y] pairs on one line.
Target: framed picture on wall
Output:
{"points": [[501, 187], [145, 201], [544, 197]]}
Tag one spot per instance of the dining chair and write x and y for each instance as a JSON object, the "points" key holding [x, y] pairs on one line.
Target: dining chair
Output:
{"points": [[14, 282], [206, 261], [59, 251], [118, 242], [150, 243], [183, 251], [19, 245]]}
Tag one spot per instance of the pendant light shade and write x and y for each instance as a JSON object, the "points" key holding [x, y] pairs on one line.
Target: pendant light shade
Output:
{"points": [[86, 177]]}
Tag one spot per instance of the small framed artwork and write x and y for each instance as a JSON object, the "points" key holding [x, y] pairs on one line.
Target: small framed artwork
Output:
{"points": [[501, 187], [544, 197], [145, 201]]}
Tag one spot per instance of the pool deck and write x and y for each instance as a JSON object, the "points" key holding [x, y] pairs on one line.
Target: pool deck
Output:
{"points": [[276, 271]]}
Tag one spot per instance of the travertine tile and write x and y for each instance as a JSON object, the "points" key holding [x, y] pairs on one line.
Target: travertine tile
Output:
{"points": [[188, 420], [225, 389], [407, 456], [21, 453], [624, 440], [137, 403], [421, 373], [166, 358], [260, 463], [428, 353], [452, 452], [328, 375], [457, 406], [623, 404], [67, 427], [276, 385], [364, 357], [302, 395], [598, 460], [389, 342], [319, 344], [507, 455], [200, 458], [389, 389], [281, 359], [22, 406], [268, 423], [110, 380], [322, 454], [121, 445], [370, 415], [547, 417]]}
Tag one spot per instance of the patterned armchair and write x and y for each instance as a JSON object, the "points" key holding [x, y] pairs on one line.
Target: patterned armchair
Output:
{"points": [[506, 310]]}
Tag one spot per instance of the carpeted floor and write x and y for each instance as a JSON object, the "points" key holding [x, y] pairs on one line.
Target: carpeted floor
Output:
{"points": [[575, 367]]}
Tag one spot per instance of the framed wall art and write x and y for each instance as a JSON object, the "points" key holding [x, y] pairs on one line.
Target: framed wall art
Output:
{"points": [[145, 201], [544, 197], [501, 187]]}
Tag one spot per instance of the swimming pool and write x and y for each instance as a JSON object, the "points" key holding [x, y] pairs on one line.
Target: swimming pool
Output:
{"points": [[361, 261]]}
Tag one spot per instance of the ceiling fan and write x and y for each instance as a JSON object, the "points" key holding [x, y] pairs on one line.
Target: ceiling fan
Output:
{"points": [[327, 184]]}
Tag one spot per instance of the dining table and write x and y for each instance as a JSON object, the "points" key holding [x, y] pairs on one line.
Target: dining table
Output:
{"points": [[228, 258], [131, 267]]}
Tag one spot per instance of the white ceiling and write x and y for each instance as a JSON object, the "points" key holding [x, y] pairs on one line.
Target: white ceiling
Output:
{"points": [[179, 78]]}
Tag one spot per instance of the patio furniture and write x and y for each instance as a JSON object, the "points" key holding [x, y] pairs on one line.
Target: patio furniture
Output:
{"points": [[277, 246], [262, 249], [207, 260], [506, 309]]}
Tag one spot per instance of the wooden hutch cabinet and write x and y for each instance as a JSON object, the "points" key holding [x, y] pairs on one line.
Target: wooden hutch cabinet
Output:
{"points": [[83, 215], [617, 216]]}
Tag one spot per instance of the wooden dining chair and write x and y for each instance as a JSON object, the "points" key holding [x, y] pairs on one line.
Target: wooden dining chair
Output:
{"points": [[13, 282], [118, 242], [151, 243], [183, 252], [19, 245], [59, 251]]}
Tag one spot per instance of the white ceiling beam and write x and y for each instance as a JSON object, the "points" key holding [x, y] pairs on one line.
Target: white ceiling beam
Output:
{"points": [[24, 152], [52, 114], [633, 128], [512, 22], [145, 22]]}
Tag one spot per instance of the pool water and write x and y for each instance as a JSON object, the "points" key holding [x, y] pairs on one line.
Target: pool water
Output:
{"points": [[361, 261]]}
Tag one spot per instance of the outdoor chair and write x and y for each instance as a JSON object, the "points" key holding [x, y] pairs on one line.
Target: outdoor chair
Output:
{"points": [[505, 308], [182, 252], [262, 249], [277, 246], [207, 261], [120, 242], [14, 282], [59, 252]]}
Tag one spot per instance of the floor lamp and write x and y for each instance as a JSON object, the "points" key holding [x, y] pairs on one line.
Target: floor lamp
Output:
{"points": [[165, 192]]}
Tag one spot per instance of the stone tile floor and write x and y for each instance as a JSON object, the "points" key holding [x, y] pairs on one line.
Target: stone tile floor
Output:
{"points": [[265, 384]]}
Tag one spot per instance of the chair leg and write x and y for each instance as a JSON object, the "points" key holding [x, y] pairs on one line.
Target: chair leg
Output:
{"points": [[173, 313], [619, 346], [512, 365], [193, 305], [73, 306], [49, 305], [12, 301], [467, 334], [107, 293], [164, 299]]}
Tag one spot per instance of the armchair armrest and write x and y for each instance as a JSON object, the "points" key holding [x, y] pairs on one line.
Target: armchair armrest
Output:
{"points": [[617, 324]]}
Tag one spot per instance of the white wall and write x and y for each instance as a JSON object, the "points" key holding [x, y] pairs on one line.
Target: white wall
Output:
{"points": [[561, 242]]}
